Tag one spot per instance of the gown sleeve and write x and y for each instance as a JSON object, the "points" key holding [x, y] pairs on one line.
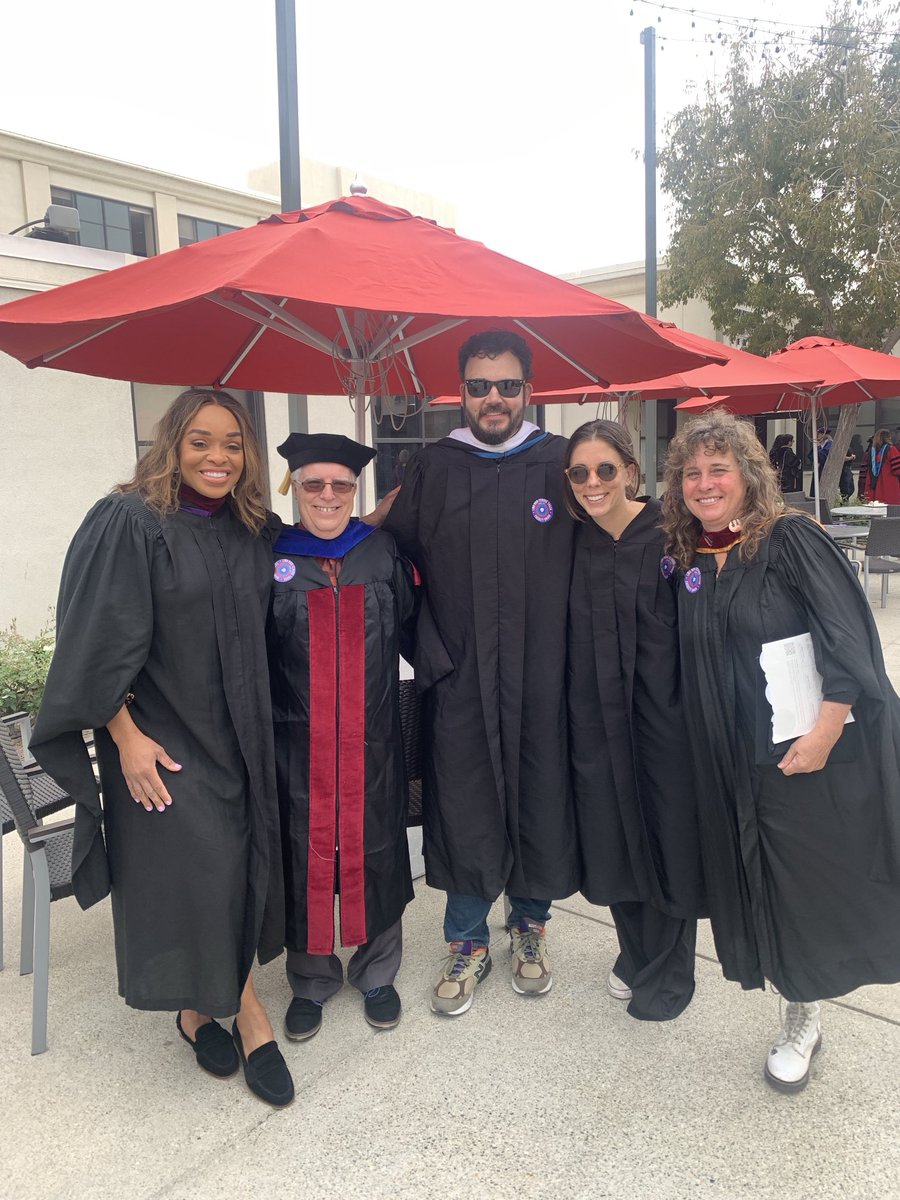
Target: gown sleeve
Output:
{"points": [[406, 591], [850, 660], [846, 644], [403, 519], [104, 625]]}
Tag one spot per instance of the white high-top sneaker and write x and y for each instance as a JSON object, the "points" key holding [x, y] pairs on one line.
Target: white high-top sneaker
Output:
{"points": [[617, 988], [787, 1067]]}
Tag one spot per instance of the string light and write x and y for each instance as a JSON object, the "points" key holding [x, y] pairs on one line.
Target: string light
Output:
{"points": [[765, 32]]}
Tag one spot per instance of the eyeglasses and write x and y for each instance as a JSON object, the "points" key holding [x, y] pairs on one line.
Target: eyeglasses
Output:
{"points": [[604, 471], [507, 388], [340, 487]]}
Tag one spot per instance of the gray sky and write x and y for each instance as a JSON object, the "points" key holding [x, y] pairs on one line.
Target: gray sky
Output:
{"points": [[527, 114]]}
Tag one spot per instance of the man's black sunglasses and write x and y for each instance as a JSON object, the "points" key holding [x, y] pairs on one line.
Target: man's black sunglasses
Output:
{"points": [[507, 388]]}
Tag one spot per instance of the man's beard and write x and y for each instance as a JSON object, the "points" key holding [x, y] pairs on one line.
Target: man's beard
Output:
{"points": [[493, 437]]}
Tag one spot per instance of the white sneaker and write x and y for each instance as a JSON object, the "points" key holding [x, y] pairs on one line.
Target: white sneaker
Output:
{"points": [[787, 1067], [617, 988]]}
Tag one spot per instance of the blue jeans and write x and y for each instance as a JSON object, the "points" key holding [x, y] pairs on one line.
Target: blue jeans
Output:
{"points": [[465, 918]]}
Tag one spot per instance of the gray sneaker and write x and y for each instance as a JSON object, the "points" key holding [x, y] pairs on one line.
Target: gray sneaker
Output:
{"points": [[531, 974], [463, 969]]}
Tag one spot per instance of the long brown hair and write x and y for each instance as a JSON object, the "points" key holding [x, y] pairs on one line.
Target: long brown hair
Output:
{"points": [[157, 476], [619, 439], [719, 431]]}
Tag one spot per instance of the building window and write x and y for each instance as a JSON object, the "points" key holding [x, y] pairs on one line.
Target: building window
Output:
{"points": [[109, 224], [196, 229], [396, 446]]}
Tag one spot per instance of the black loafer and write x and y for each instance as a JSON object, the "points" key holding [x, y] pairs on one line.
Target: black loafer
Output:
{"points": [[266, 1072], [382, 1006], [303, 1019], [214, 1049]]}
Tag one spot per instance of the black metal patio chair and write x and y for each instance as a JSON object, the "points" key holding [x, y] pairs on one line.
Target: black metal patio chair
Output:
{"points": [[883, 539], [410, 729], [49, 797], [47, 877]]}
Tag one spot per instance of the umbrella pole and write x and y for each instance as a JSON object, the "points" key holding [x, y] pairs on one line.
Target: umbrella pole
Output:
{"points": [[357, 397], [815, 455]]}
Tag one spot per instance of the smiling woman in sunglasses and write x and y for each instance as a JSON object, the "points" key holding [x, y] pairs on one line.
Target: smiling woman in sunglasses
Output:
{"points": [[341, 599], [632, 779]]}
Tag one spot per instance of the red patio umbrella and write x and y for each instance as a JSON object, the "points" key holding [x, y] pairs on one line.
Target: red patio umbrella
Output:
{"points": [[353, 296], [848, 374], [740, 374]]}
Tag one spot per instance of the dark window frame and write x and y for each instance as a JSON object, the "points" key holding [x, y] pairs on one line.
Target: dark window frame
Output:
{"points": [[221, 228], [146, 234]]}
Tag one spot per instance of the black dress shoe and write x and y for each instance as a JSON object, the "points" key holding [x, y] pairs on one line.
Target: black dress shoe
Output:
{"points": [[382, 1006], [303, 1019], [214, 1049], [265, 1071]]}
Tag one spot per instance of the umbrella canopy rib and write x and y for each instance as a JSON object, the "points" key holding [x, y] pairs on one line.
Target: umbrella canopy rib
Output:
{"points": [[46, 359], [556, 350], [251, 341]]}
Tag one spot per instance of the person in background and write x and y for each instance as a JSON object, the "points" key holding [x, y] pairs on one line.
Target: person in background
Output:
{"points": [[800, 835], [879, 476], [161, 651], [342, 597], [637, 820], [787, 464]]}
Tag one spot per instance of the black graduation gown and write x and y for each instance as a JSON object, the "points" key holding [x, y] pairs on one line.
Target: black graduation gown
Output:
{"points": [[493, 542], [172, 612], [802, 871], [632, 777], [342, 790]]}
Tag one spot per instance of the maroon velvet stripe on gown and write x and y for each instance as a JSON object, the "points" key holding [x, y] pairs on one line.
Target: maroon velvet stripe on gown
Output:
{"points": [[336, 764]]}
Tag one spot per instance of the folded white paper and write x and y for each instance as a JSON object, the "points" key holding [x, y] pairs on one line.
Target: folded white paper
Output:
{"points": [[793, 686]]}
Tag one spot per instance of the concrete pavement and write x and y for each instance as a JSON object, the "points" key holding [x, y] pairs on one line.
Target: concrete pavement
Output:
{"points": [[562, 1096]]}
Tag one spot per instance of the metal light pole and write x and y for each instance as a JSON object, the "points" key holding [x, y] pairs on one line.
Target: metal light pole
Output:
{"points": [[288, 123], [289, 151], [648, 41]]}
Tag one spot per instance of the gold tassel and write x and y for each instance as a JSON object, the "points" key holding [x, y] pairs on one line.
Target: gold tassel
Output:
{"points": [[285, 486]]}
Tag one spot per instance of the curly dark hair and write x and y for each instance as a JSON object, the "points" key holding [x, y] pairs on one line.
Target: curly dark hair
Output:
{"points": [[719, 431], [492, 343], [157, 476], [619, 438]]}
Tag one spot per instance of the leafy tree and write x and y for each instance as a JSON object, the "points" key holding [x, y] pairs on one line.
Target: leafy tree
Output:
{"points": [[785, 184]]}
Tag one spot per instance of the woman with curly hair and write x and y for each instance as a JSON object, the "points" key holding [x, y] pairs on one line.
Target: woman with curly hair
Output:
{"points": [[161, 651], [637, 820], [801, 838]]}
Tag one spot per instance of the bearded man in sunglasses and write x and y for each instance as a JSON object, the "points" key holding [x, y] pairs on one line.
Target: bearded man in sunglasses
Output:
{"points": [[482, 515], [341, 599]]}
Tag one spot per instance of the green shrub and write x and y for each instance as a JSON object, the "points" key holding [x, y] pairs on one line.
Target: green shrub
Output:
{"points": [[24, 663]]}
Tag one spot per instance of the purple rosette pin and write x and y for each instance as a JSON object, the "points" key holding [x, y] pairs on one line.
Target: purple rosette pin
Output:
{"points": [[693, 580], [284, 570], [542, 510], [667, 566]]}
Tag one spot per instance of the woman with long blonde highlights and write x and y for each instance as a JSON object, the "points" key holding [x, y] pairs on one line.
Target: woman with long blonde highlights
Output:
{"points": [[161, 651], [799, 803]]}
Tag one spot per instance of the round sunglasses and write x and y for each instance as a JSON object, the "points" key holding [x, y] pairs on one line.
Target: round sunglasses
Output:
{"points": [[604, 471]]}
